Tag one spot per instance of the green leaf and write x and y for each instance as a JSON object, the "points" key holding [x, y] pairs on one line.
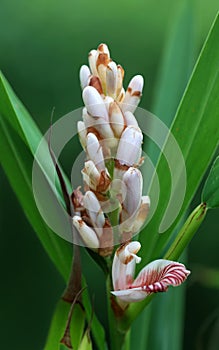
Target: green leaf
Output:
{"points": [[86, 343], [196, 134], [57, 327], [210, 193], [77, 326], [18, 143], [16, 161], [173, 75]]}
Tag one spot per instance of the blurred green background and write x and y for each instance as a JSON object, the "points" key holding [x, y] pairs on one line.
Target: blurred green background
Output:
{"points": [[42, 45]]}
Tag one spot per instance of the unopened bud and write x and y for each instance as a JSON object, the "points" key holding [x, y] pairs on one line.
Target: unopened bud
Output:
{"points": [[87, 234], [84, 76], [129, 146], [133, 94]]}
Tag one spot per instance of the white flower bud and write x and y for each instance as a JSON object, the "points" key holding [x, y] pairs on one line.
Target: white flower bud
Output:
{"points": [[120, 75], [91, 175], [129, 146], [82, 131], [133, 94], [133, 182], [84, 76], [87, 233], [111, 79], [94, 151], [94, 210], [92, 58], [116, 119], [103, 48], [130, 119], [94, 103]]}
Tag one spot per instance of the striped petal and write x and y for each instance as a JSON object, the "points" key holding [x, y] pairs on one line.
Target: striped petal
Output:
{"points": [[155, 277]]}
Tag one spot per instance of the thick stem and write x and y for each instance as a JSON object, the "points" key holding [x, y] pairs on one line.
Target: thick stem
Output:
{"points": [[119, 338]]}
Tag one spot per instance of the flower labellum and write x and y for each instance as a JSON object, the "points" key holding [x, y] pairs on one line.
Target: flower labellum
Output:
{"points": [[154, 277]]}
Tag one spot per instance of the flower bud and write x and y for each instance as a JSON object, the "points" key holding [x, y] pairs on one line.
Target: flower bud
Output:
{"points": [[84, 76], [94, 103], [111, 79], [91, 175], [116, 119], [87, 233], [129, 146], [94, 152], [94, 211], [130, 119], [133, 94], [92, 58], [82, 132]]}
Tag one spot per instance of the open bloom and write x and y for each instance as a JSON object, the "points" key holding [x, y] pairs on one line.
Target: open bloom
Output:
{"points": [[154, 277]]}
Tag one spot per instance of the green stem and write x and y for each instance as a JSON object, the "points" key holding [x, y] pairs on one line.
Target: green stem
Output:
{"points": [[119, 338], [187, 232]]}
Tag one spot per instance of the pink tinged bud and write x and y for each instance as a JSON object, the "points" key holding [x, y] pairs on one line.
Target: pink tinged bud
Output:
{"points": [[94, 152], [129, 146], [85, 75], [87, 234], [133, 94], [94, 103], [155, 277], [130, 119], [111, 79], [82, 131], [92, 58], [94, 211], [116, 119]]}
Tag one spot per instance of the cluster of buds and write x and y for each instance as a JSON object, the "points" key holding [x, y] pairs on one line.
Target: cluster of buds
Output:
{"points": [[112, 139]]}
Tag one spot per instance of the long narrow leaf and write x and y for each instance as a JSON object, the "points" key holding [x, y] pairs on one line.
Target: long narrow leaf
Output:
{"points": [[194, 128]]}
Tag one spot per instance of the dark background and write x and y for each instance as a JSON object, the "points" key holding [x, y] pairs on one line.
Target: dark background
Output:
{"points": [[42, 45]]}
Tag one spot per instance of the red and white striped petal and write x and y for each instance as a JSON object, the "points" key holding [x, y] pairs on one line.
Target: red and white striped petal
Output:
{"points": [[159, 275], [155, 277]]}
